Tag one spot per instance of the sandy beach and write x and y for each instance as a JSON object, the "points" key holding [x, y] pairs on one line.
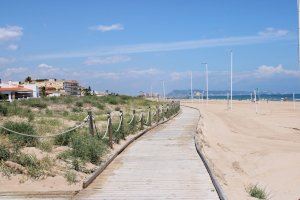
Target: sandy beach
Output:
{"points": [[245, 147]]}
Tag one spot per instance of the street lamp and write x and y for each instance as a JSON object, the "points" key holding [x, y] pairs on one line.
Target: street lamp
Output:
{"points": [[231, 66], [192, 96], [298, 9], [206, 72], [164, 92]]}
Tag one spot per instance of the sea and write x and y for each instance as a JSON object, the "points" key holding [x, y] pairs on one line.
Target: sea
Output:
{"points": [[270, 97]]}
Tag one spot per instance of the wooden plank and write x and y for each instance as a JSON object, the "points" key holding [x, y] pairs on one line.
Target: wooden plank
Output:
{"points": [[103, 166], [162, 164]]}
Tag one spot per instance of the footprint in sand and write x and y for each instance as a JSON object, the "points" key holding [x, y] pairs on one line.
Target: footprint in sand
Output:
{"points": [[236, 166]]}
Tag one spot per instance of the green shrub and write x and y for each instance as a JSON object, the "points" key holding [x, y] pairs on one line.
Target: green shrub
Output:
{"points": [[113, 101], [5, 170], [21, 127], [71, 177], [14, 109], [87, 148], [68, 100], [125, 97], [46, 163], [257, 192], [77, 109], [133, 127], [35, 103], [3, 110], [100, 106], [31, 163], [87, 99], [79, 104], [64, 139], [65, 155], [54, 99], [76, 164], [65, 113], [35, 172], [27, 160], [46, 146], [78, 116], [4, 153], [118, 135], [48, 112], [30, 116], [36, 168]]}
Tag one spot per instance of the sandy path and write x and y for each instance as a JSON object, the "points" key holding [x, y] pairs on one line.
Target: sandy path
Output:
{"points": [[248, 148]]}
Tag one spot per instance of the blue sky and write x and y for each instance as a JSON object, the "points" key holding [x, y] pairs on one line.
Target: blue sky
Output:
{"points": [[127, 46]]}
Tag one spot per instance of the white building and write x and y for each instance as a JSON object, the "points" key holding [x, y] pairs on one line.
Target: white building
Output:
{"points": [[14, 90]]}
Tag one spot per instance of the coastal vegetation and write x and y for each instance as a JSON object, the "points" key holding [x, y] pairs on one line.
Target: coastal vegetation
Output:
{"points": [[42, 152], [257, 192]]}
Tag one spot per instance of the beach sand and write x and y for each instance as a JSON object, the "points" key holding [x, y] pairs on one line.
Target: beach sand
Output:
{"points": [[245, 147]]}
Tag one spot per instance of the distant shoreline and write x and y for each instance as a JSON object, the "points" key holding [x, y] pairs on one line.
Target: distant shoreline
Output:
{"points": [[270, 97]]}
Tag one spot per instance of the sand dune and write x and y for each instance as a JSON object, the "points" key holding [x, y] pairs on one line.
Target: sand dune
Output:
{"points": [[245, 147]]}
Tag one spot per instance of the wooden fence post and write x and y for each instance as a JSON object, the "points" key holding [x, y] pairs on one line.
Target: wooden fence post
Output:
{"points": [[91, 124], [157, 113], [150, 122], [110, 132], [142, 121], [121, 126], [167, 112]]}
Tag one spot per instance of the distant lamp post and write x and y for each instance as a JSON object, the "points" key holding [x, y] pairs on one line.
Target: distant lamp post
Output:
{"points": [[164, 91], [231, 66], [192, 96], [206, 73], [298, 9]]}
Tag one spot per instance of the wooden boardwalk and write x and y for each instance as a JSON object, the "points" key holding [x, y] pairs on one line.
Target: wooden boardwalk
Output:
{"points": [[163, 164]]}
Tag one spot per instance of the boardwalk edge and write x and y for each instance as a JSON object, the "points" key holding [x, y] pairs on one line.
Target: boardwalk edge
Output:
{"points": [[215, 182], [39, 194]]}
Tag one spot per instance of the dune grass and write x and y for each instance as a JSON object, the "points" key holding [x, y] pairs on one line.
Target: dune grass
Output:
{"points": [[51, 115], [257, 192]]}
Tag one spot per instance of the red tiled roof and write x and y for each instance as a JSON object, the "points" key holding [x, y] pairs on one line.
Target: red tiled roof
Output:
{"points": [[14, 89]]}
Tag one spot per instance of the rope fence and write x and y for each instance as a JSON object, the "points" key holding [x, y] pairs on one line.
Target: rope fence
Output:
{"points": [[114, 135], [48, 136]]}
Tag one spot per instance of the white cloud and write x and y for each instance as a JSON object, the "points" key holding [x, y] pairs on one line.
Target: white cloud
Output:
{"points": [[13, 71], [143, 72], [104, 28], [269, 70], [272, 32], [110, 75], [12, 47], [48, 70], [45, 66], [10, 33], [121, 74], [5, 61], [106, 60], [265, 70], [172, 46], [175, 76], [107, 75]]}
